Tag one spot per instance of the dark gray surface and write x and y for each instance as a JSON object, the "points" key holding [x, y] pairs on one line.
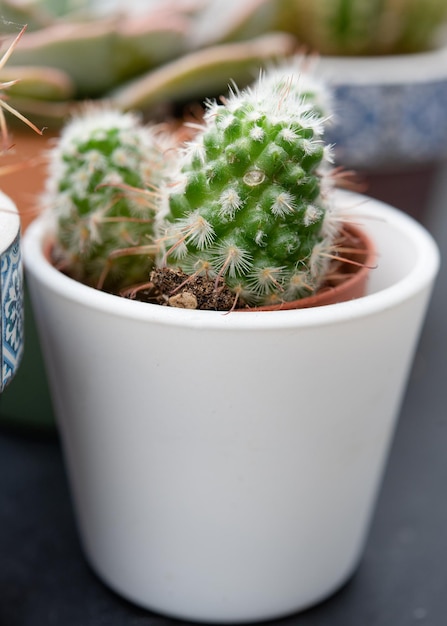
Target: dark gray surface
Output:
{"points": [[401, 581]]}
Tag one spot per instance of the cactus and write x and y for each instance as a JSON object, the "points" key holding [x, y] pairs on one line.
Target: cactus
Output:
{"points": [[338, 27], [104, 173], [251, 204], [363, 27]]}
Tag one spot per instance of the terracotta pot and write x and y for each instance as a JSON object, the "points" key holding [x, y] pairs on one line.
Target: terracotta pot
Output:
{"points": [[26, 180], [349, 281]]}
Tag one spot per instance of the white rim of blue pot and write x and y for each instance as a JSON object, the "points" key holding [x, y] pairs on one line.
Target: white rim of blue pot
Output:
{"points": [[399, 69], [9, 222], [426, 264]]}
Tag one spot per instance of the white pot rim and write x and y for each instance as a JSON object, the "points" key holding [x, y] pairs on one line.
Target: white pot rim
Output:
{"points": [[361, 208], [9, 222], [399, 69]]}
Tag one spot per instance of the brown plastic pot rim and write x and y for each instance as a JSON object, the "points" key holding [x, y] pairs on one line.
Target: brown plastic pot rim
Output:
{"points": [[353, 287]]}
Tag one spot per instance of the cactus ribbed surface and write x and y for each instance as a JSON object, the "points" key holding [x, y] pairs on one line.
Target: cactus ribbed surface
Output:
{"points": [[364, 27], [252, 202], [102, 174]]}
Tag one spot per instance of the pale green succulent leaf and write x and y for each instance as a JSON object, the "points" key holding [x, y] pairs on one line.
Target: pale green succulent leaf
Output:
{"points": [[233, 20], [99, 55], [144, 43], [16, 14], [206, 71], [44, 83], [81, 50]]}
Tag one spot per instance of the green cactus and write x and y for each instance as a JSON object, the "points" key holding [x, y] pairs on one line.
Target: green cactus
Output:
{"points": [[104, 173], [252, 202], [334, 27]]}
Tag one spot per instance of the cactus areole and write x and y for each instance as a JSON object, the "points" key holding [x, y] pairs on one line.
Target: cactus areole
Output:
{"points": [[252, 204]]}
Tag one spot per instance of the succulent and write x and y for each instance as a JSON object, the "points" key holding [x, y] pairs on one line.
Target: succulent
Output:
{"points": [[104, 173], [202, 73], [82, 49], [251, 203], [135, 54]]}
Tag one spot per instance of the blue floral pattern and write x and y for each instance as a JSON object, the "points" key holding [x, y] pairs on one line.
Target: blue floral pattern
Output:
{"points": [[390, 124], [11, 311]]}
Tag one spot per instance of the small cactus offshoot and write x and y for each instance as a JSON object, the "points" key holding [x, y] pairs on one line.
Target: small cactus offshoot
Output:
{"points": [[104, 173], [252, 202]]}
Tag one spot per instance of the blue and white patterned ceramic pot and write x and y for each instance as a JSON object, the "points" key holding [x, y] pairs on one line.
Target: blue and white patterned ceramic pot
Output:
{"points": [[11, 291], [390, 110]]}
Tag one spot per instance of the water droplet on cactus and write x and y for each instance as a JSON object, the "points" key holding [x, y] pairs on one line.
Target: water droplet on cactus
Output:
{"points": [[254, 177]]}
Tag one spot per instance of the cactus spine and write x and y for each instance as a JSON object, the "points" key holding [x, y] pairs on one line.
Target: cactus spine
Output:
{"points": [[252, 202], [102, 159]]}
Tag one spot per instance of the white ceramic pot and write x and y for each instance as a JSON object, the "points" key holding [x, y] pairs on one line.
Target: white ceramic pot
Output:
{"points": [[225, 467], [390, 111], [11, 291]]}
